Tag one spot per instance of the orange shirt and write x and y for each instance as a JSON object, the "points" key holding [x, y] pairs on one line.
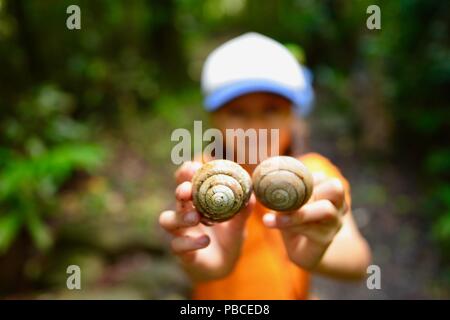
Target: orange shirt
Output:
{"points": [[264, 270]]}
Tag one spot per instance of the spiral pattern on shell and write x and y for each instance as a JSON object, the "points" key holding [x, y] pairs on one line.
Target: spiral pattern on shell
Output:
{"points": [[221, 188], [282, 183]]}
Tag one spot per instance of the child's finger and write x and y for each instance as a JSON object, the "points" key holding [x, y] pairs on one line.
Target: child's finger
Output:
{"points": [[184, 206], [319, 211], [239, 220], [249, 207], [183, 192], [172, 221], [185, 243], [186, 171], [234, 229], [183, 195], [318, 177], [332, 190]]}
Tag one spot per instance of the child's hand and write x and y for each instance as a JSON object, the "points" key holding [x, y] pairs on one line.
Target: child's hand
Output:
{"points": [[207, 252], [309, 231]]}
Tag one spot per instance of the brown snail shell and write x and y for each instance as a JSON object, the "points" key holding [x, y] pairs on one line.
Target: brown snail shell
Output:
{"points": [[221, 188], [282, 183]]}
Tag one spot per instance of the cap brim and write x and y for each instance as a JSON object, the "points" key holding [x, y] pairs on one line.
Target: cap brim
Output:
{"points": [[225, 94]]}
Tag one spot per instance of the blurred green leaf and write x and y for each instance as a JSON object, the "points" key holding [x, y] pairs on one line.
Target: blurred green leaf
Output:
{"points": [[39, 232], [438, 162], [442, 227], [10, 224]]}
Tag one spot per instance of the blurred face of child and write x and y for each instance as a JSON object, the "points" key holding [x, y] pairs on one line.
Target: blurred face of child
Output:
{"points": [[258, 110]]}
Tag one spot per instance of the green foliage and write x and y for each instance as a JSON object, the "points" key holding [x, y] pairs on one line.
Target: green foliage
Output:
{"points": [[417, 73], [41, 146]]}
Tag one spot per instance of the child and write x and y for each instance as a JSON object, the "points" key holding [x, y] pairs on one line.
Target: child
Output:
{"points": [[254, 82]]}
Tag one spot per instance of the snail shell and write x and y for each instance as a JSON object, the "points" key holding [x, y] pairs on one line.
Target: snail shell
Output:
{"points": [[221, 188], [282, 183]]}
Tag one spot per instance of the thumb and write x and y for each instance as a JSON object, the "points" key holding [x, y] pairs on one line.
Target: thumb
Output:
{"points": [[231, 233], [186, 171], [237, 223]]}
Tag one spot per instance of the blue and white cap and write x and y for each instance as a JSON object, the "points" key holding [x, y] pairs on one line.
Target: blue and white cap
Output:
{"points": [[252, 63]]}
